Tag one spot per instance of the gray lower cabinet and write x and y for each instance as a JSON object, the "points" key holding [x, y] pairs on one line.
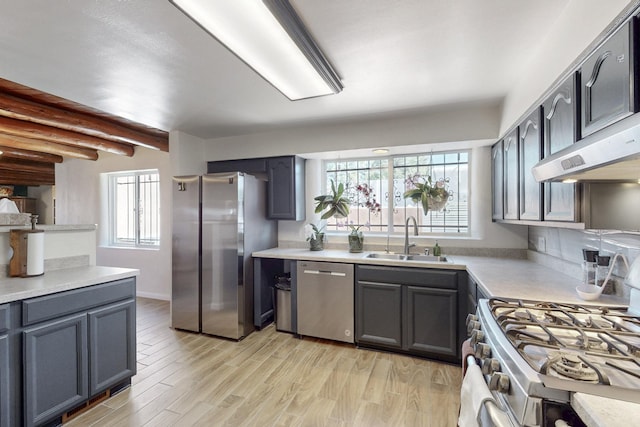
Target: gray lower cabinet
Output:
{"points": [[379, 314], [76, 345], [112, 341], [410, 310], [55, 368], [4, 381], [431, 319]]}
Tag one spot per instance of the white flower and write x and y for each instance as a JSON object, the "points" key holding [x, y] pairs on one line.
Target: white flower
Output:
{"points": [[308, 231]]}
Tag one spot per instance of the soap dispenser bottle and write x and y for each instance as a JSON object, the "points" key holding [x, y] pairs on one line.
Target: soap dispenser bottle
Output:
{"points": [[436, 249]]}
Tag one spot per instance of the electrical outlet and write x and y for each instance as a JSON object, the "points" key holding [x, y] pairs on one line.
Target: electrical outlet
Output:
{"points": [[542, 244]]}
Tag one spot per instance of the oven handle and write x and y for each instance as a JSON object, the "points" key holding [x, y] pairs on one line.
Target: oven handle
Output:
{"points": [[497, 416]]}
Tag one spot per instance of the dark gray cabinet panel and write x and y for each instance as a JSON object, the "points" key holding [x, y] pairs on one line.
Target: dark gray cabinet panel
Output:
{"points": [[112, 345], [5, 401], [511, 175], [431, 319], [530, 153], [285, 187], [57, 305], [251, 166], [561, 129], [607, 81], [379, 319], [497, 180], [410, 310], [55, 368]]}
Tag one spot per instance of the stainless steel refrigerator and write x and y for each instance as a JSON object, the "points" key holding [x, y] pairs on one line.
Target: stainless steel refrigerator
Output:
{"points": [[218, 221]]}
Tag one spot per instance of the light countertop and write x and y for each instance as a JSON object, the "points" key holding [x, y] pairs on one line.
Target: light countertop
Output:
{"points": [[604, 412], [16, 288], [497, 277]]}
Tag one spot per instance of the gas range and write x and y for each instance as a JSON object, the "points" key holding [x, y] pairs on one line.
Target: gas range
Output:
{"points": [[535, 354]]}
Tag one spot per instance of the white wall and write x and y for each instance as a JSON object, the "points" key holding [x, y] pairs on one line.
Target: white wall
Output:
{"points": [[80, 199], [580, 24], [465, 127]]}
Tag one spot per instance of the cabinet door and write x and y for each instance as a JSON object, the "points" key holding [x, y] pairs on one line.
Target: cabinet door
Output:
{"points": [[607, 85], [511, 187], [5, 421], [112, 345], [285, 192], [497, 180], [379, 314], [561, 130], [430, 316], [530, 150], [55, 368]]}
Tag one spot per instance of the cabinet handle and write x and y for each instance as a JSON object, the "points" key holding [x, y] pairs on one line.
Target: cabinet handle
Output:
{"points": [[326, 273]]}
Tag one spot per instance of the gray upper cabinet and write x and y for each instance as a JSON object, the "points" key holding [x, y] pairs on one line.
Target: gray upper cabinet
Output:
{"points": [[607, 81], [497, 180], [561, 129], [285, 188], [511, 178], [530, 153]]}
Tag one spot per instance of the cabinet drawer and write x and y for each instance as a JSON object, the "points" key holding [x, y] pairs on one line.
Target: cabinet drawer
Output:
{"points": [[4, 317], [56, 305], [444, 279]]}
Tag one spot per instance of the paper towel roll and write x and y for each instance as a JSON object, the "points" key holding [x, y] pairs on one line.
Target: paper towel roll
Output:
{"points": [[35, 254]]}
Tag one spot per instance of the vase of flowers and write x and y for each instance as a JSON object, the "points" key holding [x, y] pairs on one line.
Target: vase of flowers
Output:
{"points": [[431, 195], [315, 237], [356, 239]]}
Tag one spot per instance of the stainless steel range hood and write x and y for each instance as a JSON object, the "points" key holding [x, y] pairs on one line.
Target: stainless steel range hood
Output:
{"points": [[612, 153]]}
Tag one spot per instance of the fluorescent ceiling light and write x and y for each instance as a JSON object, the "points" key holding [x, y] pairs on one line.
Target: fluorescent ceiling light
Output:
{"points": [[269, 37]]}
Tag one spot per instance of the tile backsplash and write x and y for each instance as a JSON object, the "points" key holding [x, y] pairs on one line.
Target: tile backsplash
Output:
{"points": [[565, 247]]}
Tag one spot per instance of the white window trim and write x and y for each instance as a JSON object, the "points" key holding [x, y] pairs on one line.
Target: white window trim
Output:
{"points": [[112, 241]]}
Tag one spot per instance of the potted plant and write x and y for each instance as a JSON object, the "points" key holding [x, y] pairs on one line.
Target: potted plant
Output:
{"points": [[315, 236], [335, 203], [430, 195], [356, 239]]}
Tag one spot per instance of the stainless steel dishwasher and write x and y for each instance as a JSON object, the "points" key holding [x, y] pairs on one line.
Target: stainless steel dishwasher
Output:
{"points": [[325, 300]]}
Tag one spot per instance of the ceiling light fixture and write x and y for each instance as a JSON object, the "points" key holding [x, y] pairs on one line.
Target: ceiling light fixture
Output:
{"points": [[569, 181], [380, 151], [270, 38]]}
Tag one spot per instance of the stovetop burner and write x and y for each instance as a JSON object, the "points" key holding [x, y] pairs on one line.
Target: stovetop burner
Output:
{"points": [[573, 343]]}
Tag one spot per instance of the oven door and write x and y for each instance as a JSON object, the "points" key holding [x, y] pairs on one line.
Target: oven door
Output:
{"points": [[490, 413]]}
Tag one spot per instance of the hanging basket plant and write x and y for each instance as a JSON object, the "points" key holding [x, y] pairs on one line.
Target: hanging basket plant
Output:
{"points": [[335, 203], [424, 191]]}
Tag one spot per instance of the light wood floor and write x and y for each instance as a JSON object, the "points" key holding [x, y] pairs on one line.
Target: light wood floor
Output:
{"points": [[273, 379]]}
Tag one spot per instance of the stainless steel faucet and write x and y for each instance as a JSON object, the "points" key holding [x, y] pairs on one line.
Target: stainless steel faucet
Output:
{"points": [[406, 234]]}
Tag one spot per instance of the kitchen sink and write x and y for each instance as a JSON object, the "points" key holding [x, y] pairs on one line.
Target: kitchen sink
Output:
{"points": [[410, 257], [428, 258], [399, 257]]}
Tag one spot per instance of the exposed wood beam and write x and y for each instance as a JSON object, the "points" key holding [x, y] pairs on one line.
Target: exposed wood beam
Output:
{"points": [[26, 172], [48, 147], [35, 156], [21, 109], [61, 136]]}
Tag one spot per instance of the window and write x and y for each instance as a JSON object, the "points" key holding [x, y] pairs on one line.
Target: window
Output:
{"points": [[134, 208], [386, 178]]}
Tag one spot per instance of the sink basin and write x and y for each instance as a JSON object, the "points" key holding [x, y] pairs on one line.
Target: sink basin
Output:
{"points": [[399, 257], [428, 258], [403, 257]]}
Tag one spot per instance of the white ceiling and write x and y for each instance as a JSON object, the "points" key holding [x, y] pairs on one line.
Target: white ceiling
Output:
{"points": [[145, 61]]}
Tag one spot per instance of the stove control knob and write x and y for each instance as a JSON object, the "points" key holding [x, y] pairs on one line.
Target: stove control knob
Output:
{"points": [[470, 317], [473, 324], [483, 351], [489, 366], [499, 382], [476, 336]]}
